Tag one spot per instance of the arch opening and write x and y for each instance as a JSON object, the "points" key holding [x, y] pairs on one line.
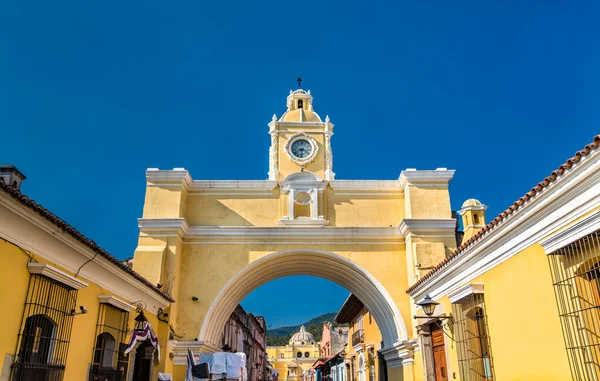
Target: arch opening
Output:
{"points": [[322, 264]]}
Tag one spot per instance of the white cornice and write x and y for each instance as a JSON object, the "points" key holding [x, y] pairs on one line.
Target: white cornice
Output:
{"points": [[233, 187], [571, 234], [56, 274], [176, 176], [116, 302], [178, 227], [304, 222], [464, 291], [327, 233], [464, 209], [440, 176], [400, 353], [427, 226], [164, 227], [180, 178], [571, 196], [366, 187]]}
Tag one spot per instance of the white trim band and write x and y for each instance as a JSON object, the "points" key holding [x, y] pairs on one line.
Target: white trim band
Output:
{"points": [[115, 302], [464, 291], [573, 233], [56, 274]]}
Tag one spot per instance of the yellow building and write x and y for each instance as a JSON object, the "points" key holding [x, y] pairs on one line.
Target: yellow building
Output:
{"points": [[214, 241], [364, 342], [519, 299], [291, 360], [68, 306]]}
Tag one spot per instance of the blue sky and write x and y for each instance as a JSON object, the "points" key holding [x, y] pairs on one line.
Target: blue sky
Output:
{"points": [[92, 93]]}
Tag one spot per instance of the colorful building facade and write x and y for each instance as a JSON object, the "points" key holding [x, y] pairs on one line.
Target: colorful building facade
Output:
{"points": [[292, 360], [364, 342], [519, 299], [70, 309], [246, 333]]}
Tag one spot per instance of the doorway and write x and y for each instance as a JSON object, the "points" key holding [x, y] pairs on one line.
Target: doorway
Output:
{"points": [[439, 354], [143, 361]]}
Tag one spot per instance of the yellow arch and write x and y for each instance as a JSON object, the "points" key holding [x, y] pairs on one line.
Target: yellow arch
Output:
{"points": [[318, 263]]}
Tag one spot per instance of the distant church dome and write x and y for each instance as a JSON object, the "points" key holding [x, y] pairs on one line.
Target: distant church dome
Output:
{"points": [[302, 337], [471, 202]]}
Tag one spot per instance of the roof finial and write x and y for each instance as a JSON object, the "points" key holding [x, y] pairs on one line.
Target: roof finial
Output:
{"points": [[299, 80]]}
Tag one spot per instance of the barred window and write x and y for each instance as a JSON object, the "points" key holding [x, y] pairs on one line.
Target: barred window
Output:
{"points": [[109, 361], [575, 272], [472, 339], [45, 331]]}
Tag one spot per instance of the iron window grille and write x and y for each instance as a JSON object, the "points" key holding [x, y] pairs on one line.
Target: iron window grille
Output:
{"points": [[109, 363], [472, 339], [575, 271], [43, 341]]}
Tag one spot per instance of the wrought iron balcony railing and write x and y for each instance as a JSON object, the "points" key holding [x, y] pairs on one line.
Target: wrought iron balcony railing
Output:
{"points": [[358, 337]]}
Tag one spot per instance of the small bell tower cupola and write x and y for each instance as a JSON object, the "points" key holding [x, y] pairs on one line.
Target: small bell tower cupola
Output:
{"points": [[11, 176], [473, 217]]}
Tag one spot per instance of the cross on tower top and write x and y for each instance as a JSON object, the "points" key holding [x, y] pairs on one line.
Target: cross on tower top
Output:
{"points": [[299, 80]]}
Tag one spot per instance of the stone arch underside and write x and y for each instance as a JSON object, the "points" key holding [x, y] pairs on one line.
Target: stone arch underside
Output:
{"points": [[323, 264]]}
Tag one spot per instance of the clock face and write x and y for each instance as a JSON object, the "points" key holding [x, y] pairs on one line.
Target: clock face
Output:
{"points": [[301, 148]]}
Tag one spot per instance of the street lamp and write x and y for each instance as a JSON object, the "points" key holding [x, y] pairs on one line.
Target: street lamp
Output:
{"points": [[140, 322], [428, 306]]}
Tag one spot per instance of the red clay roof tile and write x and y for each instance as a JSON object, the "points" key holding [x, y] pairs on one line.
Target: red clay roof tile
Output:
{"points": [[513, 208], [54, 219]]}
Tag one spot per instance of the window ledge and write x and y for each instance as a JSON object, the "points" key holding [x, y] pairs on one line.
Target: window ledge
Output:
{"points": [[116, 302], [54, 273]]}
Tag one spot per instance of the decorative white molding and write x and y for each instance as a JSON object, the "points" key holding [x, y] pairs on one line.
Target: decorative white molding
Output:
{"points": [[464, 209], [24, 227], [304, 222], [116, 302], [464, 291], [366, 187], [178, 178], [318, 233], [427, 226], [441, 176], [163, 227], [571, 196], [400, 353], [179, 349], [56, 274], [302, 136], [329, 174], [572, 233], [274, 150]]}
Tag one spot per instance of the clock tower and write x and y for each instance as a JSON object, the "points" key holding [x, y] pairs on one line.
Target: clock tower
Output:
{"points": [[300, 140]]}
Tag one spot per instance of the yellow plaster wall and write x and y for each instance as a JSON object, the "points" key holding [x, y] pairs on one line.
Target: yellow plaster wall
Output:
{"points": [[13, 269], [535, 334], [205, 210], [356, 210], [164, 202], [384, 262], [428, 202]]}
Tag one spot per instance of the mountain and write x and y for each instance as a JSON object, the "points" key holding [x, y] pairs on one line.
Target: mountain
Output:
{"points": [[282, 335]]}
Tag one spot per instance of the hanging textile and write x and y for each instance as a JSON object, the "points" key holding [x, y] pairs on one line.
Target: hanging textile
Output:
{"points": [[146, 334]]}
